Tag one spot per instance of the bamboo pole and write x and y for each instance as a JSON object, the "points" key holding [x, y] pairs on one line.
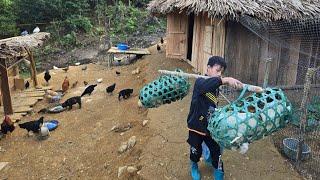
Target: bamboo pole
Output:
{"points": [[32, 68], [251, 88]]}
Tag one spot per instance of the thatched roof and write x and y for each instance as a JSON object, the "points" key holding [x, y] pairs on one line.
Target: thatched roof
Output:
{"points": [[14, 49], [32, 40], [262, 9]]}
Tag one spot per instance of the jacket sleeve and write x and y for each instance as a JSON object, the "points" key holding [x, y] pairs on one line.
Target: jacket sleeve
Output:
{"points": [[207, 85]]}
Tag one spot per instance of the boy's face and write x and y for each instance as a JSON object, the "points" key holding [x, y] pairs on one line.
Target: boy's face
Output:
{"points": [[215, 70]]}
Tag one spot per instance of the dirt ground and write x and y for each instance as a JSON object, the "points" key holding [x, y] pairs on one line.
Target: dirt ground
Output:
{"points": [[84, 147]]}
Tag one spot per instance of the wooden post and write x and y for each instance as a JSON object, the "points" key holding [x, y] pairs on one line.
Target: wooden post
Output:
{"points": [[5, 89], [32, 68]]}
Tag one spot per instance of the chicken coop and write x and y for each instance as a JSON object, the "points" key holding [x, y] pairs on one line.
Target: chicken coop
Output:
{"points": [[12, 52], [197, 30]]}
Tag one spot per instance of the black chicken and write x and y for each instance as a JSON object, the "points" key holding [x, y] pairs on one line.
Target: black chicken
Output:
{"points": [[7, 125], [118, 73], [33, 126], [47, 76], [111, 88], [161, 40], [27, 85], [89, 90], [158, 48]]}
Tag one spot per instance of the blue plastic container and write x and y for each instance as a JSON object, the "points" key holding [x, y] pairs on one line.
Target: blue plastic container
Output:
{"points": [[122, 46]]}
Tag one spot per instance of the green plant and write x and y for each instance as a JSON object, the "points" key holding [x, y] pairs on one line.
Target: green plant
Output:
{"points": [[78, 23], [69, 40]]}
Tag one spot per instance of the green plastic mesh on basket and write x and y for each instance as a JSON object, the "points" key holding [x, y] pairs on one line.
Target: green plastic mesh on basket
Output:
{"points": [[250, 118], [166, 89]]}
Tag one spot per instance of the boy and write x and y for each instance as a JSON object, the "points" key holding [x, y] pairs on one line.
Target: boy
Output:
{"points": [[204, 100]]}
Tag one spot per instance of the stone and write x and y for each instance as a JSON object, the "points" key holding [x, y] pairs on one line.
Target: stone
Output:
{"points": [[144, 123], [123, 147], [121, 170], [132, 141], [132, 169], [3, 165]]}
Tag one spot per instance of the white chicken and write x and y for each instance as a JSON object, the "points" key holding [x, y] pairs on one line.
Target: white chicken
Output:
{"points": [[36, 30], [44, 131]]}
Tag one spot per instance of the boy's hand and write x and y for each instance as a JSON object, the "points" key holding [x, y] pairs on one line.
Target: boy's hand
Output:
{"points": [[232, 82]]}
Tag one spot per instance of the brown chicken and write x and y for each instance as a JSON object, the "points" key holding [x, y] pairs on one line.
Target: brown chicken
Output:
{"points": [[65, 84], [7, 125]]}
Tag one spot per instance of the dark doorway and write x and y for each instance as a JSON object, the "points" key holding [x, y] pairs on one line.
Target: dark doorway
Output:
{"points": [[190, 35]]}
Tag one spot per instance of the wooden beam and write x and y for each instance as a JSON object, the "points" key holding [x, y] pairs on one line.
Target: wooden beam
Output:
{"points": [[5, 89], [32, 68]]}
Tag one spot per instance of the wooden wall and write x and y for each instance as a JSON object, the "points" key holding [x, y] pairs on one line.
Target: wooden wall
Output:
{"points": [[177, 31], [208, 40], [246, 53]]}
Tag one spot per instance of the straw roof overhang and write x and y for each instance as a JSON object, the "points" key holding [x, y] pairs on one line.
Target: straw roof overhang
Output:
{"points": [[13, 50], [269, 10]]}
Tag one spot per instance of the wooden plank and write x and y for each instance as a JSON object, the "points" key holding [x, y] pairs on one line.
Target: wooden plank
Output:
{"points": [[293, 61], [195, 61], [31, 94], [129, 51], [303, 62], [177, 42], [26, 102], [207, 46], [231, 49], [274, 54], [21, 109], [33, 90], [262, 60]]}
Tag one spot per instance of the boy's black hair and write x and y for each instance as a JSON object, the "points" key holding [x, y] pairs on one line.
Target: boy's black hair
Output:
{"points": [[217, 60]]}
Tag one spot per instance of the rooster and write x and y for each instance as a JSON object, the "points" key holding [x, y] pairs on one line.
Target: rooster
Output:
{"points": [[7, 125], [33, 126], [65, 84], [47, 76]]}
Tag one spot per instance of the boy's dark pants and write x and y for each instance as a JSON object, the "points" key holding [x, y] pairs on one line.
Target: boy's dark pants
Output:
{"points": [[195, 140]]}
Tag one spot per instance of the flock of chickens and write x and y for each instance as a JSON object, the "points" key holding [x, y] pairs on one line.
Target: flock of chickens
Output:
{"points": [[37, 126]]}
